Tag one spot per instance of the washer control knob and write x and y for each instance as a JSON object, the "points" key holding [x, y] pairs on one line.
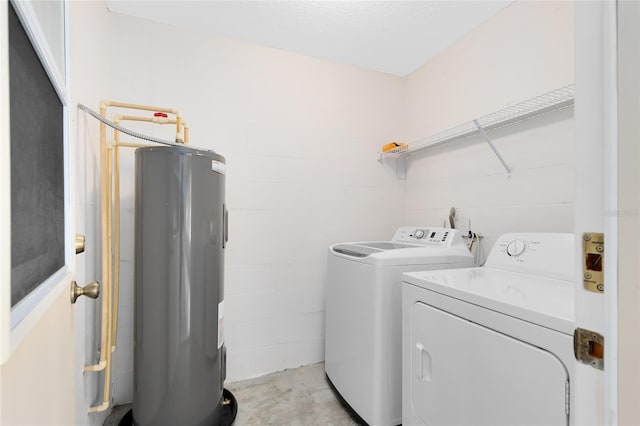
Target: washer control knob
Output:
{"points": [[516, 248], [419, 234]]}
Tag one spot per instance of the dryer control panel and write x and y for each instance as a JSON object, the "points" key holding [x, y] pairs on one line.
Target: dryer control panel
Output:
{"points": [[428, 236], [545, 254]]}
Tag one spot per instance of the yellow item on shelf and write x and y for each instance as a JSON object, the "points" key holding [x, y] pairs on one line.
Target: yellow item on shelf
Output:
{"points": [[395, 147]]}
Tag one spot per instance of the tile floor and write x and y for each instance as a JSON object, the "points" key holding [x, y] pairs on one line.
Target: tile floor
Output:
{"points": [[300, 396]]}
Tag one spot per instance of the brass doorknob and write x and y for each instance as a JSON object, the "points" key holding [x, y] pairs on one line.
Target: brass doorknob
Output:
{"points": [[80, 243], [91, 290]]}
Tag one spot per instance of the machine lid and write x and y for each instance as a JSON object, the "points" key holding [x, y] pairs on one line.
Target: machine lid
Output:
{"points": [[385, 253], [410, 245], [367, 248], [544, 301], [386, 245], [354, 250]]}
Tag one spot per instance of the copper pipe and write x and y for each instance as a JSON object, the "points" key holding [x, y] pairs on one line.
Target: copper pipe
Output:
{"points": [[104, 203], [107, 295], [181, 125], [140, 107], [158, 120], [179, 136], [116, 239]]}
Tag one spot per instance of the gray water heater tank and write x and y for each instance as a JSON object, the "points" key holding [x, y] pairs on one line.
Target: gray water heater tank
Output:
{"points": [[180, 237]]}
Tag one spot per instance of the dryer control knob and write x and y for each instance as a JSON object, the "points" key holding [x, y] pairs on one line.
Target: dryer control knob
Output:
{"points": [[516, 248], [419, 234]]}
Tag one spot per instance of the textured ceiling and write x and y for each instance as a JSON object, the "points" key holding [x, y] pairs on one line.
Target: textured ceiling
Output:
{"points": [[394, 37]]}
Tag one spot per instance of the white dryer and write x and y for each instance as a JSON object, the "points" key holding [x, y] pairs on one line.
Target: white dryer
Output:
{"points": [[492, 345], [363, 331]]}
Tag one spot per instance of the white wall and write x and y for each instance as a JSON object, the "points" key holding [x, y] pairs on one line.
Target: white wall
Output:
{"points": [[523, 51], [300, 137]]}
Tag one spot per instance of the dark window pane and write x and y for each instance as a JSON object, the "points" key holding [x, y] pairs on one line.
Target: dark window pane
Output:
{"points": [[37, 167]]}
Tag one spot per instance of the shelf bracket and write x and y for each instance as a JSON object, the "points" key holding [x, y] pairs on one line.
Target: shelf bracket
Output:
{"points": [[401, 167], [495, 151], [400, 163]]}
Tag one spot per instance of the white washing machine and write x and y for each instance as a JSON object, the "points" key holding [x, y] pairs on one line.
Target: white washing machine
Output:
{"points": [[492, 345], [363, 332]]}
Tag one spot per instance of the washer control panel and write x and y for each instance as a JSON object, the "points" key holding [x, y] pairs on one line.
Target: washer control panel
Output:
{"points": [[428, 236], [544, 254]]}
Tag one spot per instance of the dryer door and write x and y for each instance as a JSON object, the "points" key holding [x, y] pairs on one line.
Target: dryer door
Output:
{"points": [[466, 374]]}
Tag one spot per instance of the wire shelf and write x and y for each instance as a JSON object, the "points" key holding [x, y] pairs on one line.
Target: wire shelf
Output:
{"points": [[398, 150], [551, 101]]}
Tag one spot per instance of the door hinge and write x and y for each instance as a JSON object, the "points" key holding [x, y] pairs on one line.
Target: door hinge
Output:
{"points": [[593, 261], [588, 347], [567, 398]]}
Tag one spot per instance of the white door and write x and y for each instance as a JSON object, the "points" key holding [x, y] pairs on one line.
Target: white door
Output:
{"points": [[36, 210], [42, 336], [628, 212], [607, 200]]}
